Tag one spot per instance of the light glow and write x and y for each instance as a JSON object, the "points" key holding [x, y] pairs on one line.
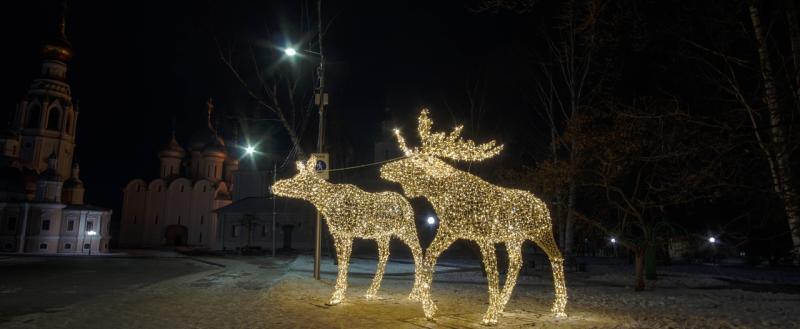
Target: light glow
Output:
{"points": [[289, 51], [473, 209], [250, 149], [431, 220], [712, 239], [353, 213], [91, 233], [613, 240]]}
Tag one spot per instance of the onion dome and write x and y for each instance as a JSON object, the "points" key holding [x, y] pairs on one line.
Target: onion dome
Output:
{"points": [[58, 48], [172, 149], [214, 148]]}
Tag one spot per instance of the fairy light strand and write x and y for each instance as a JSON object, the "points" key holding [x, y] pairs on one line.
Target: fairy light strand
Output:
{"points": [[353, 213], [473, 209]]}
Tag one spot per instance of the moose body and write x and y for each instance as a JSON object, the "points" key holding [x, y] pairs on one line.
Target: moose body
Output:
{"points": [[473, 209], [353, 213]]}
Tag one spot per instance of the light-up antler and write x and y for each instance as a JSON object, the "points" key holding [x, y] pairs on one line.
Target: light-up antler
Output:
{"points": [[451, 146]]}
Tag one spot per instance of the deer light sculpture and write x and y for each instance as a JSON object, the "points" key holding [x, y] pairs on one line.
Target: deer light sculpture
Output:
{"points": [[473, 209], [353, 213]]}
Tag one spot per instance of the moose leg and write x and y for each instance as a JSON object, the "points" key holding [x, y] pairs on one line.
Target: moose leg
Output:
{"points": [[436, 248], [548, 244], [490, 263], [383, 256], [344, 245], [409, 237], [514, 265]]}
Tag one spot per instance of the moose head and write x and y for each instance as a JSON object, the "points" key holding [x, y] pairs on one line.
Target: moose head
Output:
{"points": [[421, 164], [304, 185]]}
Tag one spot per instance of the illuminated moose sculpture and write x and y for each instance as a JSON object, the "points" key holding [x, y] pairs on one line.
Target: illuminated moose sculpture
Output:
{"points": [[473, 209], [354, 213]]}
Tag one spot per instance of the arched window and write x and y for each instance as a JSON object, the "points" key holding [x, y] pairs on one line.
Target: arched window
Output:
{"points": [[34, 113], [67, 246], [54, 119], [43, 246]]}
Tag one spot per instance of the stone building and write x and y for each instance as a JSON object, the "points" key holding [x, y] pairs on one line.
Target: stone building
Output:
{"points": [[41, 194]]}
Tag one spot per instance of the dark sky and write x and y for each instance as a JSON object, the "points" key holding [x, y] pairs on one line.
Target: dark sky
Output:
{"points": [[138, 64]]}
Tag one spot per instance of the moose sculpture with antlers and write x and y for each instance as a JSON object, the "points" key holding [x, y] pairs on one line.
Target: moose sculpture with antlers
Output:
{"points": [[473, 209], [353, 213]]}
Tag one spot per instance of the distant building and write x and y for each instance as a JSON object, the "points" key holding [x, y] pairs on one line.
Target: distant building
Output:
{"points": [[41, 194], [176, 208]]}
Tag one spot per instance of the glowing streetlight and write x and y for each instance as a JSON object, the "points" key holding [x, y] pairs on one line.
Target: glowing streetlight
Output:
{"points": [[250, 149], [431, 220], [289, 51], [613, 240], [91, 234], [712, 240]]}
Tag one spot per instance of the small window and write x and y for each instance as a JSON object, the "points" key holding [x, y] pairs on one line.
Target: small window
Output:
{"points": [[87, 246], [12, 223], [204, 188], [201, 237], [134, 219], [234, 231], [89, 225], [201, 220], [179, 219], [159, 188], [46, 225], [263, 231], [181, 188], [138, 188], [67, 246], [70, 225], [156, 219], [43, 246]]}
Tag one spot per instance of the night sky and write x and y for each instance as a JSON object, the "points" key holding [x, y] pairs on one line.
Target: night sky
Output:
{"points": [[139, 64]]}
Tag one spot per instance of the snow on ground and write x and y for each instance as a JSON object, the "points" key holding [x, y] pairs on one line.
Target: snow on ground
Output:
{"points": [[603, 300], [263, 293]]}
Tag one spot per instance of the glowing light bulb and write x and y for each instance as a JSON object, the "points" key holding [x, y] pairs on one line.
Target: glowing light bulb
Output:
{"points": [[290, 51], [431, 220]]}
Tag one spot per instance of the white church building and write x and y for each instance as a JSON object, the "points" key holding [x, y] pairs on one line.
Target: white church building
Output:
{"points": [[41, 194]]}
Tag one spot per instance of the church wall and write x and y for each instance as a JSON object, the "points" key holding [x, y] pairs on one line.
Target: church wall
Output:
{"points": [[134, 213], [155, 214]]}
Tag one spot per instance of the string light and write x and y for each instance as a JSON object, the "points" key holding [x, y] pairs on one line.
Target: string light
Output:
{"points": [[473, 209], [353, 213]]}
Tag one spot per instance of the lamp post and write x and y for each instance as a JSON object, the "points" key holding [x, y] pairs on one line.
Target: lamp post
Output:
{"points": [[321, 100], [91, 234]]}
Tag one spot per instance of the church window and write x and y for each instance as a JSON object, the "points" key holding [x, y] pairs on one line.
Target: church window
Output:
{"points": [[134, 219], [33, 117], [201, 237], [70, 225], [181, 188], [43, 246], [159, 188], [46, 225], [234, 231], [89, 225], [179, 219], [201, 219], [204, 188], [263, 231], [87, 246], [67, 246], [54, 119], [138, 188], [12, 223], [156, 219]]}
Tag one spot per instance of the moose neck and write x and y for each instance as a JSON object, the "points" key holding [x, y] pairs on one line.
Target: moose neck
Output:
{"points": [[323, 191]]}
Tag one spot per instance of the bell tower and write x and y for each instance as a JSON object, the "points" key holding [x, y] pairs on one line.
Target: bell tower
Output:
{"points": [[46, 118]]}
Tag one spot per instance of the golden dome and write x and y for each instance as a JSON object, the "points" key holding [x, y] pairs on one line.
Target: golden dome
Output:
{"points": [[58, 48]]}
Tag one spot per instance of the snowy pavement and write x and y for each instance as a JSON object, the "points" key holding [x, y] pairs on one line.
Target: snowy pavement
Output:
{"points": [[259, 292]]}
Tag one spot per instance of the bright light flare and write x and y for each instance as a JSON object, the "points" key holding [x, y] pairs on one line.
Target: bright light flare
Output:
{"points": [[91, 233], [613, 240], [290, 51], [250, 149], [712, 239], [431, 220]]}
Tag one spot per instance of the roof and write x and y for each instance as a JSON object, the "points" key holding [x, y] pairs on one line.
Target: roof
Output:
{"points": [[255, 205]]}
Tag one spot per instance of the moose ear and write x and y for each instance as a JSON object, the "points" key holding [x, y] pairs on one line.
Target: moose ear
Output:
{"points": [[311, 164], [300, 166]]}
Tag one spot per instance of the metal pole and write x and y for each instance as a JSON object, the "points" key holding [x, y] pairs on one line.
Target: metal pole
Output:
{"points": [[320, 136], [274, 179]]}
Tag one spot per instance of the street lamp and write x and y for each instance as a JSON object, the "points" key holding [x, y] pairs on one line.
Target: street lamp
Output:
{"points": [[613, 241], [289, 51], [431, 220], [712, 240], [250, 150], [91, 234]]}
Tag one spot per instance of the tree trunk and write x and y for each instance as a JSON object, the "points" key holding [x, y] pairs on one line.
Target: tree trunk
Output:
{"points": [[639, 260], [569, 225], [781, 171]]}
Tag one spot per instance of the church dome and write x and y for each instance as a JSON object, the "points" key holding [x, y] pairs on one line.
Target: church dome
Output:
{"points": [[58, 48], [214, 148], [172, 149]]}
